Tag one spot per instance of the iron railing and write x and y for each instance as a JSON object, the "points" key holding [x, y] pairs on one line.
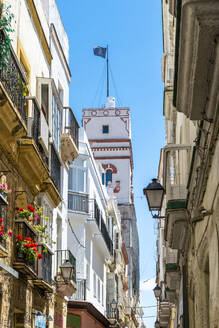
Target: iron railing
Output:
{"points": [[14, 81], [102, 226], [44, 266], [77, 202], [65, 255], [55, 168], [73, 127], [80, 294], [106, 236], [35, 128], [3, 214], [24, 229], [97, 213]]}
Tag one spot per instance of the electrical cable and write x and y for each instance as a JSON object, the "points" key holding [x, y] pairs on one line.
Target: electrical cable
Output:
{"points": [[101, 82], [78, 241], [115, 87]]}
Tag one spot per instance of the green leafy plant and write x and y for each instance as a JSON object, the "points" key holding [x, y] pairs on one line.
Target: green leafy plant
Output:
{"points": [[33, 214], [27, 247], [6, 18]]}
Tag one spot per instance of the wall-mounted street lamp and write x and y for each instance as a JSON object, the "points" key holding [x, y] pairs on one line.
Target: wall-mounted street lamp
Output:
{"points": [[157, 324], [67, 271], [157, 291], [154, 193]]}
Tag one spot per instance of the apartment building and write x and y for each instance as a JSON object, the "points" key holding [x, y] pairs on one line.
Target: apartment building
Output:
{"points": [[38, 138]]}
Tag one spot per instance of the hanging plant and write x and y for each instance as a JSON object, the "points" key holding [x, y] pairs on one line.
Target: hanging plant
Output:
{"points": [[32, 214], [4, 235], [4, 190], [6, 18], [27, 249]]}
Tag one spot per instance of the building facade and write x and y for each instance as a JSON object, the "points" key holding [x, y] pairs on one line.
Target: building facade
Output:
{"points": [[35, 150], [187, 269]]}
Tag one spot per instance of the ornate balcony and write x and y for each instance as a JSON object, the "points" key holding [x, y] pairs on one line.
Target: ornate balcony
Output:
{"points": [[65, 288], [78, 202], [44, 271], [26, 268], [13, 105], [172, 274], [176, 163]]}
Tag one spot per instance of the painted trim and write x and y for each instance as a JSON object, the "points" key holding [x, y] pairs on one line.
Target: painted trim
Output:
{"points": [[61, 52], [109, 140], [40, 31]]}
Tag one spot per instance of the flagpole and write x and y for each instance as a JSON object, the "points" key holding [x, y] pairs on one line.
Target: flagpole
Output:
{"points": [[107, 63]]}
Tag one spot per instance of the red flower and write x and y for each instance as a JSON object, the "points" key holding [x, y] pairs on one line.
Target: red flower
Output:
{"points": [[27, 245], [1, 220], [39, 256], [31, 208], [35, 249], [20, 209], [17, 208], [19, 237]]}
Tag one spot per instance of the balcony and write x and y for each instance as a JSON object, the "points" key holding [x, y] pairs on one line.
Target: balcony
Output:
{"points": [[13, 86], [65, 288], [44, 271], [27, 269], [80, 294], [55, 168], [102, 227], [176, 164], [164, 313], [32, 163], [69, 140], [3, 214], [197, 75], [78, 202], [172, 274]]}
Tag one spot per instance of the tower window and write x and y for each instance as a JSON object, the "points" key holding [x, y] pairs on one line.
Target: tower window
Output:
{"points": [[105, 128], [108, 176]]}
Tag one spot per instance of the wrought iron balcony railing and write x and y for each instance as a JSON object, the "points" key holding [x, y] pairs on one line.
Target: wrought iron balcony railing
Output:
{"points": [[65, 255], [55, 168], [25, 230], [112, 313], [106, 236], [73, 127], [102, 226], [77, 202], [44, 266], [14, 81], [80, 294], [34, 127]]}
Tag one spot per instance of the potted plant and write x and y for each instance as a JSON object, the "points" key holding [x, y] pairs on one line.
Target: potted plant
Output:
{"points": [[4, 235], [27, 249]]}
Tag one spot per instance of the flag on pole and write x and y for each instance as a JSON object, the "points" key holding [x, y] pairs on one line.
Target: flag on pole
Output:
{"points": [[100, 51]]}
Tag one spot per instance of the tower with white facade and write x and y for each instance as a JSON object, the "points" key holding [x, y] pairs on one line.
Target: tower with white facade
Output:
{"points": [[109, 133]]}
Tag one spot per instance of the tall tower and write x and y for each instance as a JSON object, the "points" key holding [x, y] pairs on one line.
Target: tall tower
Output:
{"points": [[109, 133]]}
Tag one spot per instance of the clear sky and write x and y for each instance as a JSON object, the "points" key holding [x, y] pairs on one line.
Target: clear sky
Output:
{"points": [[133, 31]]}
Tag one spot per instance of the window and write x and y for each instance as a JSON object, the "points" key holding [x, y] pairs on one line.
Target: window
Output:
{"points": [[57, 119], [105, 128], [78, 176], [102, 295], [108, 176]]}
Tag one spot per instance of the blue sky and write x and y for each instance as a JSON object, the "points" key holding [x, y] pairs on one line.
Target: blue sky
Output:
{"points": [[133, 31]]}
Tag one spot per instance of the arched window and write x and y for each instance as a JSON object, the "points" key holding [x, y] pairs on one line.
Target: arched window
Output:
{"points": [[108, 176]]}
